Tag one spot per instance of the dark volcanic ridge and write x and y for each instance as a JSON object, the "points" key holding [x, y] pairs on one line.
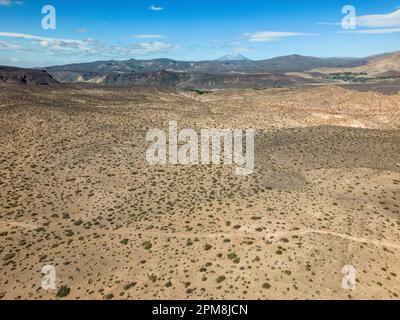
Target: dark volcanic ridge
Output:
{"points": [[21, 76], [206, 81]]}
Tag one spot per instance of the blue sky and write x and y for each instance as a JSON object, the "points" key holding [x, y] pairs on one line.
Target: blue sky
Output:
{"points": [[192, 29]]}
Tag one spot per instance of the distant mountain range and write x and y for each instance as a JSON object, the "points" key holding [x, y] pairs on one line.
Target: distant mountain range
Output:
{"points": [[98, 71], [227, 72]]}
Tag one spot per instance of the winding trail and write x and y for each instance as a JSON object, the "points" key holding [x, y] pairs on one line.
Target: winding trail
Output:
{"points": [[6, 225], [379, 243], [270, 236]]}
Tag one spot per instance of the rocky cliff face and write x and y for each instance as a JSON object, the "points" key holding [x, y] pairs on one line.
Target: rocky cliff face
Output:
{"points": [[205, 81]]}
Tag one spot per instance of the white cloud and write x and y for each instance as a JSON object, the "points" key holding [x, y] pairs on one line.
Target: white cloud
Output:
{"points": [[87, 47], [146, 36], [81, 30], [230, 44], [42, 40], [155, 8], [10, 61], [374, 31], [263, 36], [7, 3], [388, 20], [144, 48], [7, 46], [330, 23], [53, 45]]}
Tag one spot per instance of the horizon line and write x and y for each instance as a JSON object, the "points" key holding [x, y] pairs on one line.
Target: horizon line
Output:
{"points": [[216, 60]]}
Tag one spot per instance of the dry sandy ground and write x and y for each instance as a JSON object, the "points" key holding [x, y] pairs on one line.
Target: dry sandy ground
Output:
{"points": [[77, 193]]}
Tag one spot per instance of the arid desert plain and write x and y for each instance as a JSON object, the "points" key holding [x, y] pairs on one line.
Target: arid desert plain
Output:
{"points": [[77, 193]]}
